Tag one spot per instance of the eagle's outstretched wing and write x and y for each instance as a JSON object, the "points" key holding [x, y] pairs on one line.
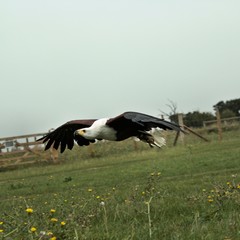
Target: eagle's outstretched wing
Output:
{"points": [[131, 123], [150, 122], [64, 137]]}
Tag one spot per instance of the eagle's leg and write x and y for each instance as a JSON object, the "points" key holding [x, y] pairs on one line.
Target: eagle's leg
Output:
{"points": [[148, 138]]}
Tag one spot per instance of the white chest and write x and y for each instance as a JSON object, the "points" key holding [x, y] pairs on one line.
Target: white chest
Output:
{"points": [[101, 131]]}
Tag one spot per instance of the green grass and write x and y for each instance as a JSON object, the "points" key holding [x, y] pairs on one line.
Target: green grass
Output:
{"points": [[186, 192]]}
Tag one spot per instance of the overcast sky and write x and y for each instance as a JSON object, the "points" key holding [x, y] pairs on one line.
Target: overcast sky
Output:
{"points": [[63, 60]]}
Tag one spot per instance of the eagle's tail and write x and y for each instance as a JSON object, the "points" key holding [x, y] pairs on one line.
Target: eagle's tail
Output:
{"points": [[158, 139]]}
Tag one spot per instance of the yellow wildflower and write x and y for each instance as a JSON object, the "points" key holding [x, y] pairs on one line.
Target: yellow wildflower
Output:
{"points": [[1, 230], [53, 238], [89, 190], [53, 219], [52, 211], [1, 223], [63, 223], [229, 184], [33, 229], [29, 210], [49, 233]]}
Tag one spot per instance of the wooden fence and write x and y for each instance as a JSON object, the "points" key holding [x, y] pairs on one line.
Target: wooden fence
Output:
{"points": [[224, 122], [24, 149]]}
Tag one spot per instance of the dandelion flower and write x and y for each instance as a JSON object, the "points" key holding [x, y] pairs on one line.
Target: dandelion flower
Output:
{"points": [[53, 238], [53, 219], [29, 210], [97, 197], [63, 223], [1, 230], [49, 233], [52, 211], [1, 223], [33, 229]]}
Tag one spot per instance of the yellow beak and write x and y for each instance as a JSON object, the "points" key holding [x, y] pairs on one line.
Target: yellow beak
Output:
{"points": [[81, 132]]}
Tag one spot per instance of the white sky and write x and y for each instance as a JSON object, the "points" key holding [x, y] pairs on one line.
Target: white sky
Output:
{"points": [[62, 60]]}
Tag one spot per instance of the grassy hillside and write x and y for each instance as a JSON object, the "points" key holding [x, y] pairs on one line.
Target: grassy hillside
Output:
{"points": [[191, 191]]}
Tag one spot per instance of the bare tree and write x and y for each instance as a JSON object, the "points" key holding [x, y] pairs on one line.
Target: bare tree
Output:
{"points": [[172, 107]]}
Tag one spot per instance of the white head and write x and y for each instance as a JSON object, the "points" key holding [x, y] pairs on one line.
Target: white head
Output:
{"points": [[87, 133], [99, 130]]}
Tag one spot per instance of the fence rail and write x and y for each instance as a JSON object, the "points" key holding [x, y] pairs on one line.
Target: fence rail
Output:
{"points": [[224, 121], [23, 150]]}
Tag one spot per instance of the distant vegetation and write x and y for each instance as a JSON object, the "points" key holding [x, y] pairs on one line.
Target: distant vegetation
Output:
{"points": [[227, 109], [128, 191]]}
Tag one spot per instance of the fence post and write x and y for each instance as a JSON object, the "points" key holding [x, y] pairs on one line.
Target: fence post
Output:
{"points": [[180, 122], [179, 134], [219, 125]]}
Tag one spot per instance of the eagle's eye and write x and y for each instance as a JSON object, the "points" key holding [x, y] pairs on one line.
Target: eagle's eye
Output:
{"points": [[81, 131]]}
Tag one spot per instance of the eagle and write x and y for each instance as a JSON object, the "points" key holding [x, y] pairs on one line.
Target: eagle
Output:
{"points": [[119, 128]]}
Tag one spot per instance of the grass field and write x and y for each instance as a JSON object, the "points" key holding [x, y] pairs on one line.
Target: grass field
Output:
{"points": [[191, 191]]}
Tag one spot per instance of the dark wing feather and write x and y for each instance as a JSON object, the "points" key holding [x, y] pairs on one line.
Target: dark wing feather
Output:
{"points": [[151, 122], [129, 123], [63, 136]]}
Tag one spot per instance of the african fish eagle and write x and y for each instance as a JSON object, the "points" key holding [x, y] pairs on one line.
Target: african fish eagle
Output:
{"points": [[121, 127]]}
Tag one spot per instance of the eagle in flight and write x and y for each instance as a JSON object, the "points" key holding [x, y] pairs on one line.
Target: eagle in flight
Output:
{"points": [[121, 127]]}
